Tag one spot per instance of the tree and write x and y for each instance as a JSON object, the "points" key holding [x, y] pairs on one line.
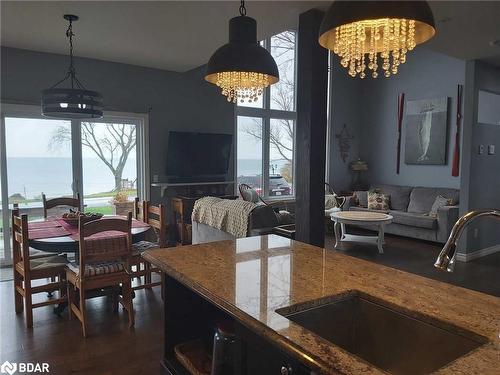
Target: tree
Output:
{"points": [[281, 132], [112, 146]]}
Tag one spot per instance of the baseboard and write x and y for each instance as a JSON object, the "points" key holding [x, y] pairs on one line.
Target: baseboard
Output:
{"points": [[478, 253]]}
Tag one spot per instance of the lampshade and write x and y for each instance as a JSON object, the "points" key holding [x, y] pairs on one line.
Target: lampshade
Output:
{"points": [[358, 165], [369, 34], [71, 103], [74, 102], [242, 68]]}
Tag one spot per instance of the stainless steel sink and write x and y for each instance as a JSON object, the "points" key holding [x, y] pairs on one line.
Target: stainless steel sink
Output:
{"points": [[388, 339]]}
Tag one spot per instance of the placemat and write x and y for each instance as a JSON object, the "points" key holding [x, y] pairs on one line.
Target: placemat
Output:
{"points": [[36, 234]]}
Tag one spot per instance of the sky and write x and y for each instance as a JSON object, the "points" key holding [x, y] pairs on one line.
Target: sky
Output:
{"points": [[31, 138]]}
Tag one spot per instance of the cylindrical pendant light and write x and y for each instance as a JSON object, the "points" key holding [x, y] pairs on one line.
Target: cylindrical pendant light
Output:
{"points": [[73, 102], [370, 34], [242, 68]]}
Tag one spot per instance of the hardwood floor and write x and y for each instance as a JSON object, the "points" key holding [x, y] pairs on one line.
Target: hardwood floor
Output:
{"points": [[113, 348], [418, 257]]}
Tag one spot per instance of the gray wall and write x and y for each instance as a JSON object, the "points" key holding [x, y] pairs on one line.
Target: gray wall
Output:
{"points": [[425, 75], [178, 101], [481, 173], [369, 108]]}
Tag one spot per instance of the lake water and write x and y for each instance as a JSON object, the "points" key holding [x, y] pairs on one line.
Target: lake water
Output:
{"points": [[52, 176], [251, 167]]}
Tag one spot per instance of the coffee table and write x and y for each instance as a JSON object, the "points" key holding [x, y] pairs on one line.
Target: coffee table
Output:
{"points": [[376, 220]]}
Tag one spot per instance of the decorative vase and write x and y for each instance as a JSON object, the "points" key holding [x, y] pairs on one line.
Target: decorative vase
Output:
{"points": [[123, 208]]}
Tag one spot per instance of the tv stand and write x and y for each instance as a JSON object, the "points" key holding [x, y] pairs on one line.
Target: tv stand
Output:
{"points": [[165, 185]]}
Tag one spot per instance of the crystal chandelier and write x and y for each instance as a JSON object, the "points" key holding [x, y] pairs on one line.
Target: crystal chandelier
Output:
{"points": [[242, 68], [368, 35], [74, 102]]}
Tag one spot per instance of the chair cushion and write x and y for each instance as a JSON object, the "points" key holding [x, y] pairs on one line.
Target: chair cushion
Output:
{"points": [[400, 195], [331, 211], [414, 220], [34, 253], [141, 246], [98, 268], [48, 262]]}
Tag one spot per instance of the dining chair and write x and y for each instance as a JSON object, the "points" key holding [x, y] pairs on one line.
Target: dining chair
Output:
{"points": [[60, 202], [156, 218], [33, 253], [104, 262], [27, 269]]}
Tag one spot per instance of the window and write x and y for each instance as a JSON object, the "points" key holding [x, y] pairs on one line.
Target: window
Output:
{"points": [[265, 129], [66, 157]]}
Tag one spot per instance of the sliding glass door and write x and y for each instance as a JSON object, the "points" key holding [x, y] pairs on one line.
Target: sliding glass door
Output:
{"points": [[102, 161]]}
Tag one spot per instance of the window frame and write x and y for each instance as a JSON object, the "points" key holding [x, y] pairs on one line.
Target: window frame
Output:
{"points": [[266, 113], [141, 120]]}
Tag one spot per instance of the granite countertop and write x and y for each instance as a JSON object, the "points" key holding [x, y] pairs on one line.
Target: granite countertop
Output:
{"points": [[252, 277]]}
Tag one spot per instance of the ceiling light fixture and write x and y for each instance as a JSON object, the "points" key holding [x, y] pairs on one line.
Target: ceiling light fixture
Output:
{"points": [[242, 68], [369, 34], [74, 102]]}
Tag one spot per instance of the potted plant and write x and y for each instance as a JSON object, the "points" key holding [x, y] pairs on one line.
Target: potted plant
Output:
{"points": [[122, 204]]}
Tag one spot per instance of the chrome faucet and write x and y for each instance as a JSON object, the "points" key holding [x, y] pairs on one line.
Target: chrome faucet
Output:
{"points": [[446, 258]]}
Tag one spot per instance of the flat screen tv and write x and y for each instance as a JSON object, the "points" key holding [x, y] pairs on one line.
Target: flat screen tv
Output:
{"points": [[198, 157]]}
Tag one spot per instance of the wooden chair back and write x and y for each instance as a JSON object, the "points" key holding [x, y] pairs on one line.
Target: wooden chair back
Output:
{"points": [[157, 219], [154, 216], [20, 239], [109, 248], [244, 187], [140, 210], [57, 202]]}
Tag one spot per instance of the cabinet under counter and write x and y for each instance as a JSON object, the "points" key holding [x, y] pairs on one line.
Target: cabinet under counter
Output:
{"points": [[256, 282]]}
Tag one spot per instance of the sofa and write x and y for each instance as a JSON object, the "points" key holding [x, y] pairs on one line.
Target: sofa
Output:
{"points": [[262, 220], [411, 207]]}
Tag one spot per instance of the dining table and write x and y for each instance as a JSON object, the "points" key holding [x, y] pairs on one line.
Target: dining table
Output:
{"points": [[54, 234]]}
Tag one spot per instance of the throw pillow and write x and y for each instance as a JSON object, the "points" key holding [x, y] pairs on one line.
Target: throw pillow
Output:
{"points": [[362, 198], [378, 201], [330, 201], [438, 203], [250, 195]]}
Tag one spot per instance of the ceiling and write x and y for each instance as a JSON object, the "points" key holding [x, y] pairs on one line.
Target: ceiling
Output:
{"points": [[182, 35]]}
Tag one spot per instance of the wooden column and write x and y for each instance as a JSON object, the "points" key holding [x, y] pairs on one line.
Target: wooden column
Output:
{"points": [[312, 77]]}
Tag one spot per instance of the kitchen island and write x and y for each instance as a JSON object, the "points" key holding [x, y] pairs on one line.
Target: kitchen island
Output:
{"points": [[257, 282]]}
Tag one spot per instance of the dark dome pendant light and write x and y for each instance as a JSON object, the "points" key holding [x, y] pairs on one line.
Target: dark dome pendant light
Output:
{"points": [[367, 35], [242, 68], [75, 102]]}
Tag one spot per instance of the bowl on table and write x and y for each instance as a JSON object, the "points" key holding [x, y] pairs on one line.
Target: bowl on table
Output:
{"points": [[73, 218]]}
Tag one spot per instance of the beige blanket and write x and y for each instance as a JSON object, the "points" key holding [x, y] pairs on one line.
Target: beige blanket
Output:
{"points": [[230, 216]]}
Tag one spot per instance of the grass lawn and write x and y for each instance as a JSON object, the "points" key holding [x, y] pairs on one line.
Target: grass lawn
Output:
{"points": [[129, 192], [105, 210]]}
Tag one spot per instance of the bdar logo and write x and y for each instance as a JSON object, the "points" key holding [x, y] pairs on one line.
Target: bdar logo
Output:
{"points": [[8, 368]]}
